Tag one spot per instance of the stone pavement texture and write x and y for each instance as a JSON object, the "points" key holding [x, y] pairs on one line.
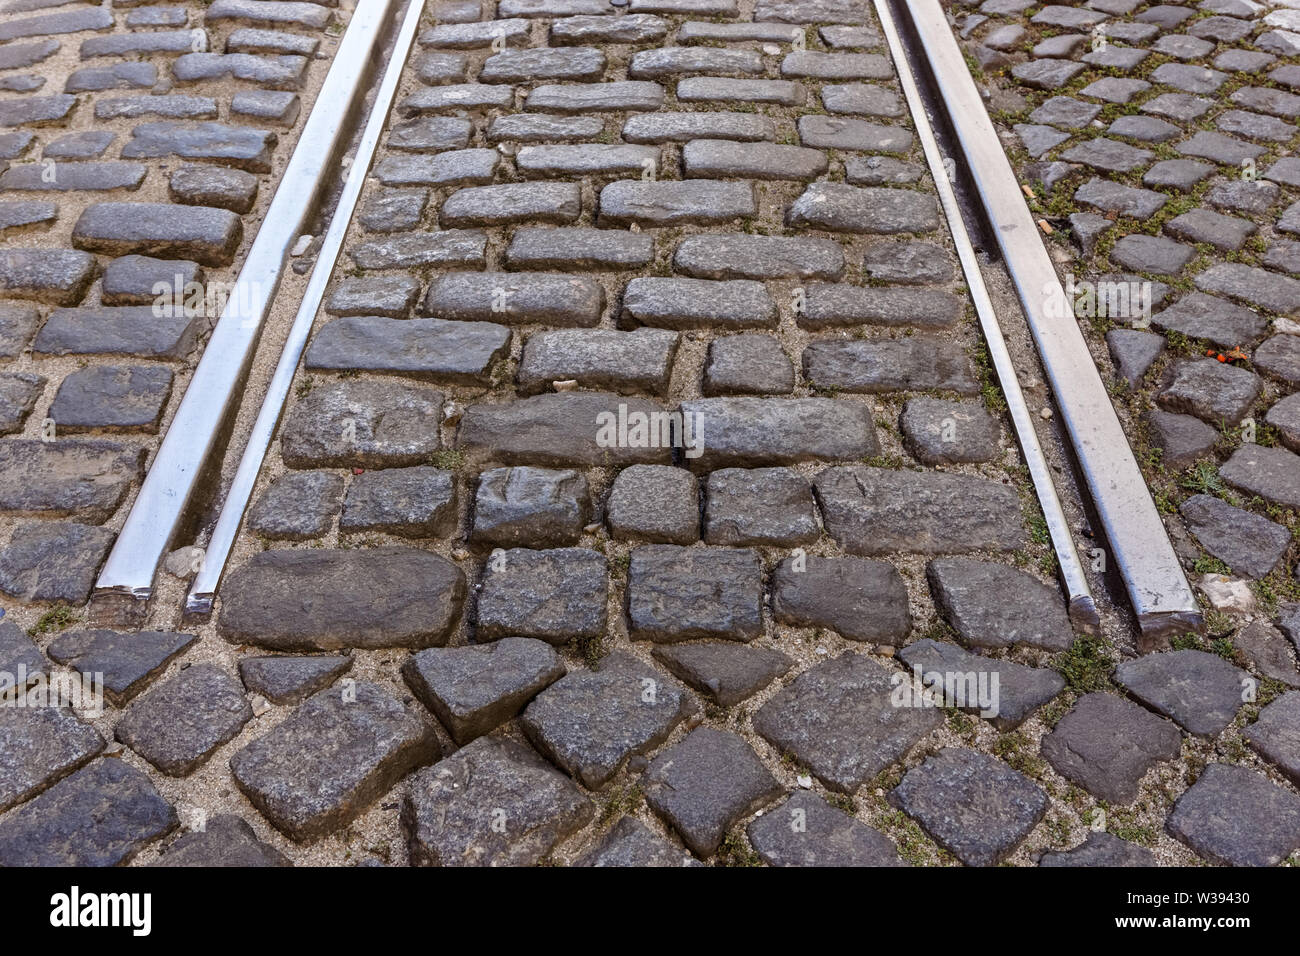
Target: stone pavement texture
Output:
{"points": [[643, 479]]}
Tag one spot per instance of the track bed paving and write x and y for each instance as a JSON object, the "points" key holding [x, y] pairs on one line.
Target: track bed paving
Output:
{"points": [[642, 447]]}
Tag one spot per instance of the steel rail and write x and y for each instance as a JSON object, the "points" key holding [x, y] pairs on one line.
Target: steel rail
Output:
{"points": [[214, 389], [203, 590], [1083, 608], [1157, 588]]}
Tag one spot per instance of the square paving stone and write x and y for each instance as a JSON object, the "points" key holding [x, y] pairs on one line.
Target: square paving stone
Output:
{"points": [[857, 598], [679, 594], [728, 673], [530, 507], [492, 803], [178, 724], [705, 784], [941, 432], [324, 600], [1266, 651], [475, 689], [554, 595], [112, 398], [417, 502], [17, 324], [297, 506], [1153, 254], [1237, 817], [102, 815], [972, 804], [631, 843], [225, 840], [53, 561], [1002, 691], [392, 296], [1248, 543], [40, 745], [1106, 744], [590, 721], [879, 511], [656, 503], [1275, 736], [759, 506], [747, 364], [130, 280], [1201, 692], [1100, 849], [1225, 233], [332, 757], [808, 831], [838, 719], [287, 680], [127, 662]]}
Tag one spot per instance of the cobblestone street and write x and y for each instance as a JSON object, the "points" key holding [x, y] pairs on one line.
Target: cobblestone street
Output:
{"points": [[646, 461]]}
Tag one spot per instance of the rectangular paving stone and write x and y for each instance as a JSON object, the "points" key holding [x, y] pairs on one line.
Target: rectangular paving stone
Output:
{"points": [[363, 423], [910, 364], [308, 15], [829, 132], [73, 176], [393, 296], [70, 21], [332, 758], [669, 203], [516, 298], [375, 597], [718, 158], [450, 247], [836, 66], [664, 127], [680, 594], [512, 202], [1254, 286], [457, 96], [237, 146], [417, 502], [253, 40], [139, 43], [528, 128], [115, 77], [577, 63], [875, 511], [472, 36], [272, 72], [629, 28], [627, 362], [742, 256], [1271, 473], [205, 235], [833, 305], [676, 60], [15, 56], [102, 815], [616, 96], [569, 429], [699, 303], [431, 133], [718, 89], [837, 207], [579, 247], [120, 330], [461, 167], [588, 159], [744, 432], [55, 276], [167, 105], [112, 398], [177, 725], [432, 349], [82, 478], [23, 213], [53, 110]]}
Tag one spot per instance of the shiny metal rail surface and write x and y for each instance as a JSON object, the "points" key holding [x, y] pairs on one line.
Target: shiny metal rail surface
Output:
{"points": [[1157, 588], [214, 390], [228, 524], [1083, 608]]}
